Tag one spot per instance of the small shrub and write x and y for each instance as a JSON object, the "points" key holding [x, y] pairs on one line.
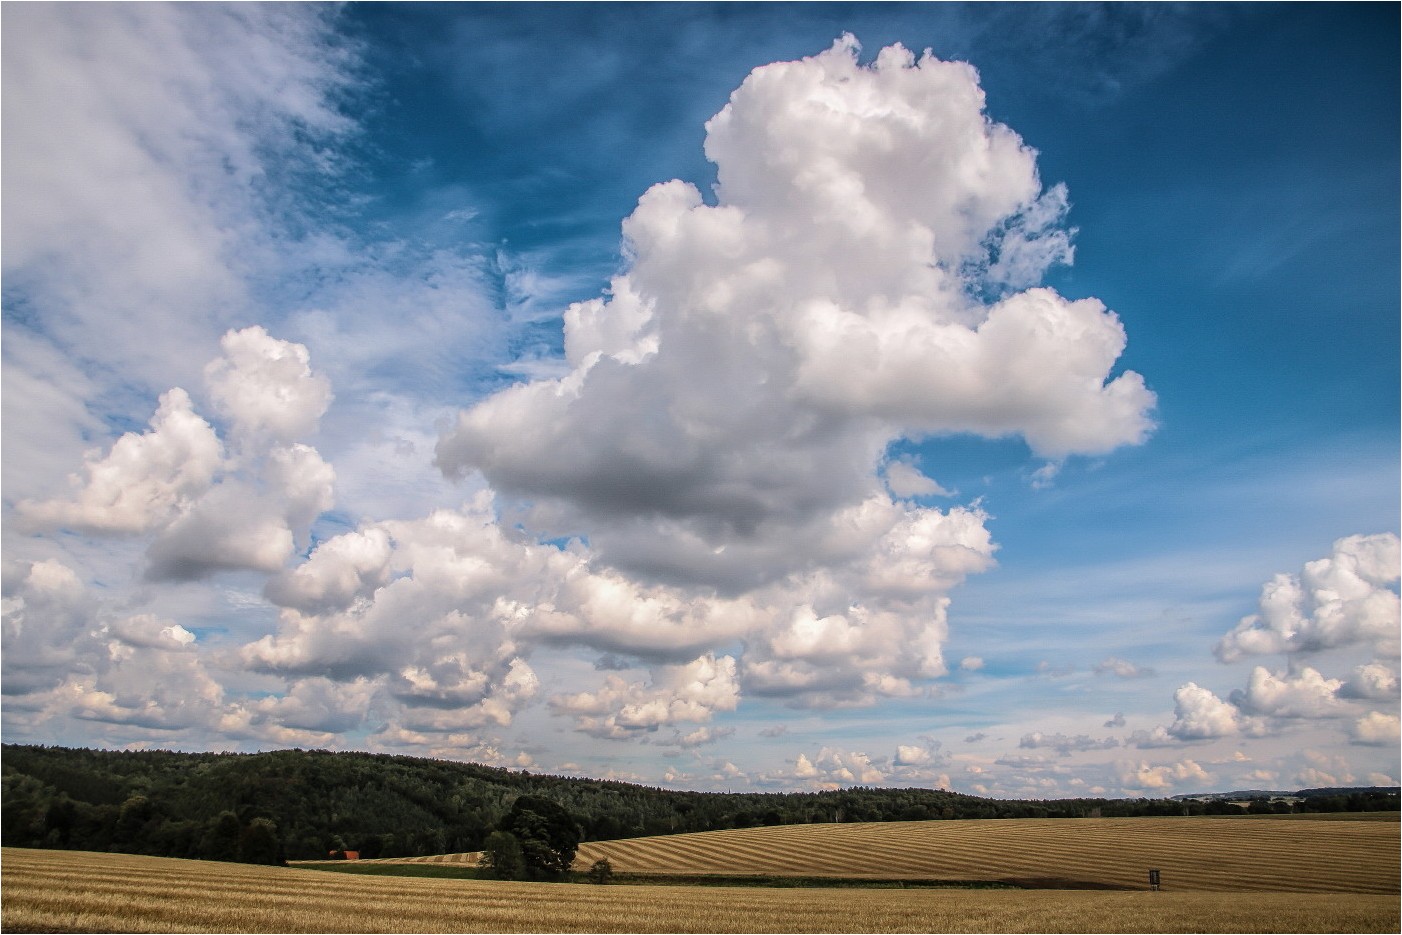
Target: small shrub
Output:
{"points": [[601, 871]]}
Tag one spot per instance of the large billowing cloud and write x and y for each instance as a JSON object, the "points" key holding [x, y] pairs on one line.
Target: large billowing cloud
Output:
{"points": [[739, 385], [722, 435], [725, 493]]}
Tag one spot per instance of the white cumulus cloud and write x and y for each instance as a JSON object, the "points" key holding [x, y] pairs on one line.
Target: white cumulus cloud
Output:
{"points": [[1160, 778], [738, 385], [690, 693], [1376, 729], [1201, 715], [143, 481], [1302, 694], [266, 387], [1344, 599]]}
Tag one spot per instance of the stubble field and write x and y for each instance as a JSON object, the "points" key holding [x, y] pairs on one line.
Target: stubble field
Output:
{"points": [[1311, 876], [1227, 855]]}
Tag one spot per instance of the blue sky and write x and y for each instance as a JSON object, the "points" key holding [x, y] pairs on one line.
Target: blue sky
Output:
{"points": [[368, 384]]}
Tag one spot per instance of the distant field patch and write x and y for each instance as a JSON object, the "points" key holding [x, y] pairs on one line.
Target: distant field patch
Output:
{"points": [[1197, 854], [75, 891], [1245, 854]]}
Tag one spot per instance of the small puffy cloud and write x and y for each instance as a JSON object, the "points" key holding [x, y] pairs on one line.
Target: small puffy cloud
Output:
{"points": [[1122, 668], [971, 663], [1201, 715], [265, 387], [1117, 721], [1372, 682], [338, 571], [913, 756], [688, 693], [833, 768], [1163, 777], [470, 746], [1342, 600], [727, 771], [144, 481], [1064, 745], [1302, 694], [1376, 729]]}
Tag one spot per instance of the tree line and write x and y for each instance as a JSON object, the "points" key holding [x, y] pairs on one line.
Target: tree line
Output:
{"points": [[306, 804]]}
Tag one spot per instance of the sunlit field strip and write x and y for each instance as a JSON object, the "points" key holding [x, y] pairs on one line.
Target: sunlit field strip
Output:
{"points": [[76, 891], [1193, 853]]}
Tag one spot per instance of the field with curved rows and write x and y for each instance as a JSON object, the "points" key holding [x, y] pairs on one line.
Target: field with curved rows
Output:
{"points": [[1193, 854], [76, 891]]}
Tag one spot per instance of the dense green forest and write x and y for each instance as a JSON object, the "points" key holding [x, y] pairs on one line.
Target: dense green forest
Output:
{"points": [[300, 804]]}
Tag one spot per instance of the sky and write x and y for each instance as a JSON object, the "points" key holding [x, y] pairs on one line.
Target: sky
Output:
{"points": [[1000, 398]]}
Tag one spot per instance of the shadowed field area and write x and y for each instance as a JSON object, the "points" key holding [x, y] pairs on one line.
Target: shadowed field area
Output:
{"points": [[1193, 854], [75, 891]]}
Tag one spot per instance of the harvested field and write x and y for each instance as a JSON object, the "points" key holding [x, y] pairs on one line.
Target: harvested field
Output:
{"points": [[74, 891], [1193, 854]]}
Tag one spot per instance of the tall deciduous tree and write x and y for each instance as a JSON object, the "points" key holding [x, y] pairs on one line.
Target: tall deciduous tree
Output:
{"points": [[548, 833]]}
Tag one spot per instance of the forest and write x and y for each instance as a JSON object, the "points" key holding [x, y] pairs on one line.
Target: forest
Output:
{"points": [[305, 804]]}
